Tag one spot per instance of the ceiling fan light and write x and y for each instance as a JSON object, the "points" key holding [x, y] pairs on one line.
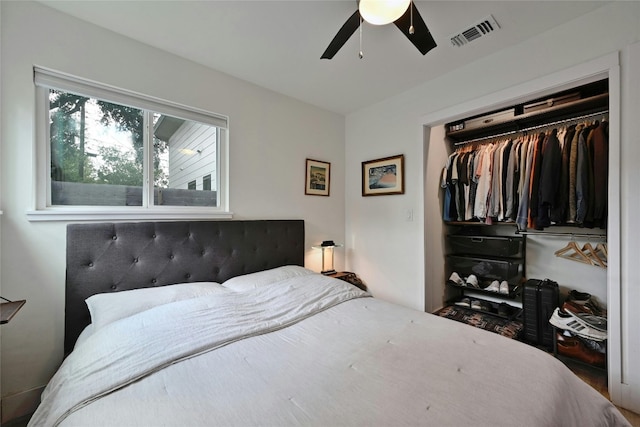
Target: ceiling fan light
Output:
{"points": [[382, 12]]}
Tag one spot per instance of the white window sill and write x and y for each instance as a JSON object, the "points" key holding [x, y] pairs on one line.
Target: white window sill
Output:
{"points": [[130, 214]]}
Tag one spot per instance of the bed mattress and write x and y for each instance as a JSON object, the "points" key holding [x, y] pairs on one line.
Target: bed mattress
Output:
{"points": [[311, 350]]}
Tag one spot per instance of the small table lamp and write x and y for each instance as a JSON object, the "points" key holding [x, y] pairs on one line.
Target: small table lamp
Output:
{"points": [[327, 248]]}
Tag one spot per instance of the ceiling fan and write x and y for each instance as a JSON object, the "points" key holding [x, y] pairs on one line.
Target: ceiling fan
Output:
{"points": [[403, 13]]}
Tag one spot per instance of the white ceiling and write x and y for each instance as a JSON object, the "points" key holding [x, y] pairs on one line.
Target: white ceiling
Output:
{"points": [[277, 44]]}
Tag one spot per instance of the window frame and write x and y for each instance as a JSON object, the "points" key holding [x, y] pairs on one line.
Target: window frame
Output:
{"points": [[46, 79]]}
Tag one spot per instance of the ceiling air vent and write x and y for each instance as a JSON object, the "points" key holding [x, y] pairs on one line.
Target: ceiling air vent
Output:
{"points": [[480, 29]]}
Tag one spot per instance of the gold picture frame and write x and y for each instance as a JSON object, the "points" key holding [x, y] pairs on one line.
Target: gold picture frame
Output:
{"points": [[383, 176], [317, 178]]}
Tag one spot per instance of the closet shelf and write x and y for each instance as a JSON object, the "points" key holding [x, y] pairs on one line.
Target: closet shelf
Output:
{"points": [[501, 310], [514, 290], [520, 122]]}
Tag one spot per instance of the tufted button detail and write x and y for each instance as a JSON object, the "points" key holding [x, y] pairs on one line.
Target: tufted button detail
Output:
{"points": [[187, 275], [154, 281], [113, 287], [171, 256], [135, 260], [153, 236], [114, 238], [90, 264]]}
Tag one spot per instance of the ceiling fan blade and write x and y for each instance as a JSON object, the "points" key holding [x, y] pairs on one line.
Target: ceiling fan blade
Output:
{"points": [[343, 35], [421, 38]]}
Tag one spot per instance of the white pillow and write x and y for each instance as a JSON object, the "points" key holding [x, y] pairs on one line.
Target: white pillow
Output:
{"points": [[266, 277], [109, 307]]}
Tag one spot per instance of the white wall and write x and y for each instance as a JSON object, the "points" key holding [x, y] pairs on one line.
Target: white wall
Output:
{"points": [[270, 138], [395, 127]]}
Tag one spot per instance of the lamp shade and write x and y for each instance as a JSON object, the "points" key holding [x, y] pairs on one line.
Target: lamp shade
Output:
{"points": [[327, 247], [382, 12]]}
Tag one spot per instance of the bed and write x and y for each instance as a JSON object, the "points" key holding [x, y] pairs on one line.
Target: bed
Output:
{"points": [[219, 323]]}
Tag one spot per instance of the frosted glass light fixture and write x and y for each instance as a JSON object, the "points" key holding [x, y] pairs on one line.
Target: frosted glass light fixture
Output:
{"points": [[327, 248], [382, 12]]}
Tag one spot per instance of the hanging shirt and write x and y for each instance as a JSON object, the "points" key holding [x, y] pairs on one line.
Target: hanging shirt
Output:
{"points": [[549, 178], [510, 186], [582, 177], [560, 210], [483, 173], [573, 165], [600, 173], [523, 209], [535, 180]]}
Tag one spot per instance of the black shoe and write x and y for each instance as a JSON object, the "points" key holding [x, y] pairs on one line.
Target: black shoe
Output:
{"points": [[504, 309], [579, 297]]}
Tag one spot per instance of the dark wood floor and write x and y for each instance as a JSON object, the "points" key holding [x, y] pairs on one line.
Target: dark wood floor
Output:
{"points": [[597, 378]]}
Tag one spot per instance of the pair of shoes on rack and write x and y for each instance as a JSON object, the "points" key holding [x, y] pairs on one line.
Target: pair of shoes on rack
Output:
{"points": [[575, 348], [571, 322], [586, 302], [481, 305], [464, 302], [500, 287], [577, 310], [471, 281], [505, 309], [474, 304]]}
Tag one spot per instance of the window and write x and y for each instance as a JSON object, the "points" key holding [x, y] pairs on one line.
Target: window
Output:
{"points": [[105, 152]]}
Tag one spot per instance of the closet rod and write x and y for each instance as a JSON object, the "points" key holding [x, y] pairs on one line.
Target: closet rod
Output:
{"points": [[559, 234], [533, 127]]}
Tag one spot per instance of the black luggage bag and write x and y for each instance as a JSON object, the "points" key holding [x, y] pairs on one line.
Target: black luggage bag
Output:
{"points": [[539, 299]]}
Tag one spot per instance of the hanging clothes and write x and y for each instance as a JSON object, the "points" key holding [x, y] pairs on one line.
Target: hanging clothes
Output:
{"points": [[550, 174], [557, 176], [600, 173]]}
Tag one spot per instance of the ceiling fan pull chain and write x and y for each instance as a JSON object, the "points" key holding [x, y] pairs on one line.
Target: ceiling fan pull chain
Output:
{"points": [[411, 29], [360, 54]]}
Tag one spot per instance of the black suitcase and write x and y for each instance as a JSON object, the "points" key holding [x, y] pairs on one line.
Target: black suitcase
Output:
{"points": [[539, 300]]}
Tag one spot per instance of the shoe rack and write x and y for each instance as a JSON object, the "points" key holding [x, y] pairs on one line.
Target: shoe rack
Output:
{"points": [[492, 260]]}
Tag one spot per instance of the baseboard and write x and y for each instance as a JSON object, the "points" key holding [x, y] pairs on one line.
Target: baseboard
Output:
{"points": [[20, 404]]}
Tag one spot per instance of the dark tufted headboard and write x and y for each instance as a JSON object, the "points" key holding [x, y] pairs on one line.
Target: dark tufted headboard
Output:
{"points": [[112, 257]]}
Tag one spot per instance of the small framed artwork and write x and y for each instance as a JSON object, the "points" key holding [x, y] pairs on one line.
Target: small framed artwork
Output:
{"points": [[317, 178], [383, 176]]}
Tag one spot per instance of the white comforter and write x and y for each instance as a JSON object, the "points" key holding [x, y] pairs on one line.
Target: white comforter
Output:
{"points": [[310, 351]]}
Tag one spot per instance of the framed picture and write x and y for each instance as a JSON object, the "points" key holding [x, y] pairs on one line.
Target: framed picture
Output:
{"points": [[317, 178], [383, 176]]}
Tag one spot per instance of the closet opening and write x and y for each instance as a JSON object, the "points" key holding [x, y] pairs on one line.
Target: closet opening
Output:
{"points": [[525, 189]]}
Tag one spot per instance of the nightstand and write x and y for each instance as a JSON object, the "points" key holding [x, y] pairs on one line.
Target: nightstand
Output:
{"points": [[350, 277], [9, 309]]}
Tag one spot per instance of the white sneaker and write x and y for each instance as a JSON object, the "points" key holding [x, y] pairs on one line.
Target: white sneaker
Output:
{"points": [[590, 320], [472, 281], [475, 304], [493, 287], [570, 323], [455, 278], [504, 287], [464, 302]]}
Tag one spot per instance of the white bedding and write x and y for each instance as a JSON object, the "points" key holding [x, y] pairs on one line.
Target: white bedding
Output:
{"points": [[310, 350]]}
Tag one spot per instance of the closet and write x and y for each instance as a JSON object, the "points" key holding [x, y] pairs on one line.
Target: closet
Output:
{"points": [[535, 174]]}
